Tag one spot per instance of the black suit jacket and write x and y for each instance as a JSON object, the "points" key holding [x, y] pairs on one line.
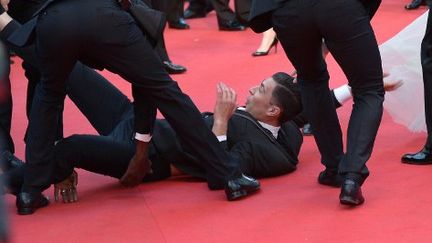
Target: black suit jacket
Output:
{"points": [[260, 18], [150, 21], [257, 153]]}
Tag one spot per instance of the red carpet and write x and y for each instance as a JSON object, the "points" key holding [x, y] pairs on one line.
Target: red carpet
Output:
{"points": [[291, 208]]}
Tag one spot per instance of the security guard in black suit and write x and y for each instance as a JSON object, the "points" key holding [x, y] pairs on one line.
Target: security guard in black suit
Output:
{"points": [[301, 26], [102, 35]]}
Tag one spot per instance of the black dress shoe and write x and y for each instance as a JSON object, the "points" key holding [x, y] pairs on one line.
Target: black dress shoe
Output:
{"points": [[330, 178], [415, 4], [232, 26], [241, 187], [307, 130], [9, 161], [423, 157], [351, 193], [173, 68], [28, 203], [189, 14], [179, 24]]}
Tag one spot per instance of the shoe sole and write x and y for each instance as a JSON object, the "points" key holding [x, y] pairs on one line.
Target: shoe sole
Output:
{"points": [[416, 162], [240, 194], [27, 211], [227, 29], [176, 72], [350, 202]]}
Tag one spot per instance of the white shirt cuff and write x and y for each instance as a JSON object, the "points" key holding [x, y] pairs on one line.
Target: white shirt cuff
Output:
{"points": [[222, 138], [143, 137], [343, 93]]}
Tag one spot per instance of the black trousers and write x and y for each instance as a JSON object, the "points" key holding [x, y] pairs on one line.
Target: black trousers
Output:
{"points": [[344, 25], [172, 8], [426, 61], [225, 14], [102, 35], [21, 11], [200, 6], [111, 113], [6, 142]]}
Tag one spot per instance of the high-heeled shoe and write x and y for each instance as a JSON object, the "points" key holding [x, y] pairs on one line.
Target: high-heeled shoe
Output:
{"points": [[265, 53], [415, 4]]}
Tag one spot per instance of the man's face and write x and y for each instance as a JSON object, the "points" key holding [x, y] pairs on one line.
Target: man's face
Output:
{"points": [[258, 104]]}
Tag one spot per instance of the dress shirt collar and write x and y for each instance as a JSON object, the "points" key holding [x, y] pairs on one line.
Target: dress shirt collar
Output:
{"points": [[274, 130]]}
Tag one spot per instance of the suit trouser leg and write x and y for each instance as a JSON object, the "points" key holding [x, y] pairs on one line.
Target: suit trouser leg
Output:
{"points": [[98, 100], [89, 152], [31, 67], [302, 44], [99, 154], [355, 49], [176, 11], [223, 12], [199, 6], [13, 179], [161, 50], [48, 103], [242, 9], [426, 61], [6, 142], [351, 40]]}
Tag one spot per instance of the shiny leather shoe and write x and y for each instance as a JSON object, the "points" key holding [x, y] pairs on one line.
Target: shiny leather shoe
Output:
{"points": [[172, 68], [28, 203], [180, 24], [307, 130], [415, 4], [232, 26], [189, 14], [241, 187], [265, 53], [9, 161], [330, 178], [423, 157], [351, 193]]}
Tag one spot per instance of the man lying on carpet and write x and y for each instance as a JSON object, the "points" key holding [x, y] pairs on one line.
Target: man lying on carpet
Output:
{"points": [[264, 135]]}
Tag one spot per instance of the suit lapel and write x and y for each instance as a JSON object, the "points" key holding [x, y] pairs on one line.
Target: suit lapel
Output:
{"points": [[277, 142], [247, 116], [45, 5], [24, 34]]}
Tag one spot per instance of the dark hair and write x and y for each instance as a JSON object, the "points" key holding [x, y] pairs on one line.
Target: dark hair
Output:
{"points": [[286, 95]]}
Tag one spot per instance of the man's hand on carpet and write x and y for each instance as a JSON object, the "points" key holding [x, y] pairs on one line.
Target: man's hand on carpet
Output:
{"points": [[138, 167], [67, 189]]}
